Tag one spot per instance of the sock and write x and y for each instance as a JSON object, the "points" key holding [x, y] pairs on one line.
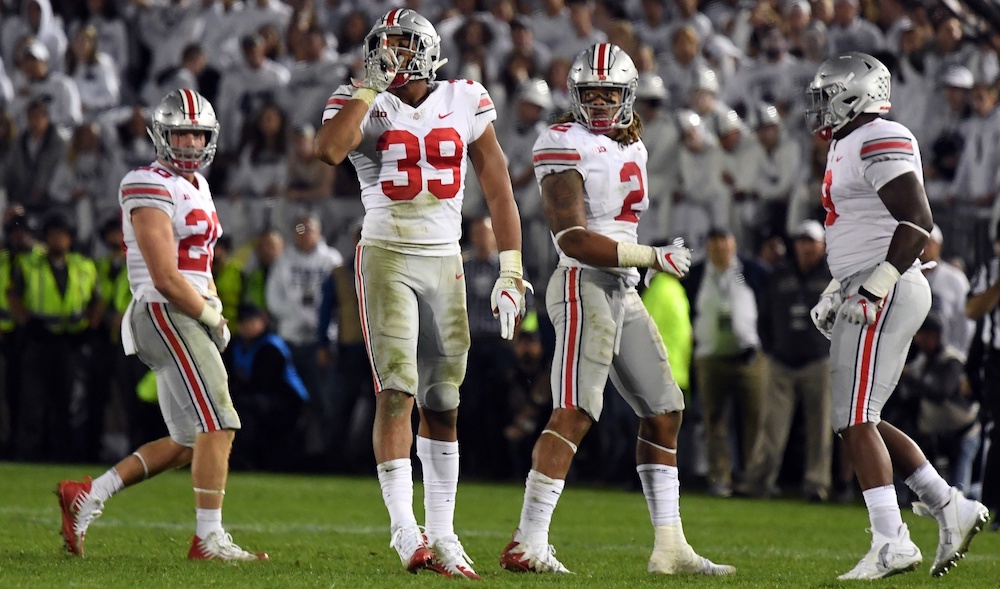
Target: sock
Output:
{"points": [[540, 497], [209, 520], [661, 486], [106, 485], [440, 465], [396, 479], [929, 486], [883, 511]]}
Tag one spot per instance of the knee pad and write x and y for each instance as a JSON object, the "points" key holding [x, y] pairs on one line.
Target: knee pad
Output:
{"points": [[440, 397]]}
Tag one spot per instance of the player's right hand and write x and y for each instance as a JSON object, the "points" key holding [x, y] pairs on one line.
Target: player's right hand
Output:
{"points": [[674, 259], [824, 313], [380, 67], [509, 304], [221, 335]]}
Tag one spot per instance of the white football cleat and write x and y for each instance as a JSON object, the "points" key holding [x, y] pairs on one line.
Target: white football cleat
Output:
{"points": [[450, 558], [523, 558], [218, 545], [958, 522], [411, 545], [887, 557], [673, 555]]}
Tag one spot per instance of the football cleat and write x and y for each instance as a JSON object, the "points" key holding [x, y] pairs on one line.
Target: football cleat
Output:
{"points": [[887, 557], [958, 522], [450, 558], [522, 558], [79, 510], [411, 545], [673, 555], [219, 545]]}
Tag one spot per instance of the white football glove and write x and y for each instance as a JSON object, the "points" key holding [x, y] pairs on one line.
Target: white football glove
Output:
{"points": [[674, 259], [860, 310], [824, 314], [220, 334], [509, 304], [380, 68]]}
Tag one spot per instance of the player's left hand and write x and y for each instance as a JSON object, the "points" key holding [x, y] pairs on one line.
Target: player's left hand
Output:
{"points": [[221, 335], [674, 259], [860, 309], [508, 303]]}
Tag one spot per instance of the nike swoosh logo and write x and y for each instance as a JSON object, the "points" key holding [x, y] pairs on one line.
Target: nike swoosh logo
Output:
{"points": [[445, 115], [459, 276], [508, 295], [668, 259], [838, 158]]}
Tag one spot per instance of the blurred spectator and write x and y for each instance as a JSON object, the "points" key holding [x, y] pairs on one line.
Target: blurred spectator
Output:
{"points": [[849, 32], [529, 400], [258, 14], [798, 371], [41, 83], [780, 170], [37, 153], [267, 249], [534, 57], [36, 20], [792, 99], [948, 47], [224, 25], [654, 29], [762, 79], [686, 14], [701, 201], [112, 35], [167, 28], [309, 184], [668, 306], [261, 173], [730, 370], [946, 416], [984, 306], [893, 18], [352, 391], [351, 33], [227, 272], [130, 138], [663, 154], [976, 180], [704, 99], [55, 298], [556, 77], [184, 75], [85, 182], [797, 16], [949, 292], [679, 67], [8, 142], [94, 73], [581, 33], [954, 85], [268, 394], [742, 159], [552, 25], [312, 76], [245, 88], [491, 361], [6, 87]]}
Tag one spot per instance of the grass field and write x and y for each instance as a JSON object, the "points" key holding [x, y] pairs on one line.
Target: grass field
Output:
{"points": [[333, 532]]}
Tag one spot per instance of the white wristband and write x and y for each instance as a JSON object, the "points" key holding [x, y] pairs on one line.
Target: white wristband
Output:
{"points": [[366, 95], [510, 264], [210, 317], [831, 288], [633, 255], [882, 279]]}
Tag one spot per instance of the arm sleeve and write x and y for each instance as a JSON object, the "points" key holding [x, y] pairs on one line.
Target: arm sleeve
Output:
{"points": [[554, 152]]}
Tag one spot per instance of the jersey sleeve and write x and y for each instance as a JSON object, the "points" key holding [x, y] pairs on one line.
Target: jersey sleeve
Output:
{"points": [[554, 152], [337, 101], [484, 113], [141, 188], [888, 154]]}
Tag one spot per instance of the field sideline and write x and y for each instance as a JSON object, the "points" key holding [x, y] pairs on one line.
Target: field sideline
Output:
{"points": [[333, 532]]}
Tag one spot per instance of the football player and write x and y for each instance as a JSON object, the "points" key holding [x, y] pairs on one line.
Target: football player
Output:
{"points": [[591, 168], [175, 325], [410, 138], [877, 222]]}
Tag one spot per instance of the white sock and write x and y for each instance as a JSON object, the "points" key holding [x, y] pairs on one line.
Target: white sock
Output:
{"points": [[929, 486], [106, 485], [541, 494], [883, 511], [662, 488], [396, 478], [440, 464], [209, 520]]}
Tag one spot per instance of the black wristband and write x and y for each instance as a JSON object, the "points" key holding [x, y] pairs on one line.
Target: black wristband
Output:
{"points": [[864, 292]]}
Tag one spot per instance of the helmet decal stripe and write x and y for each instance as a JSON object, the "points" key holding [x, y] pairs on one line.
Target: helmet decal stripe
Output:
{"points": [[603, 54], [390, 19], [189, 103]]}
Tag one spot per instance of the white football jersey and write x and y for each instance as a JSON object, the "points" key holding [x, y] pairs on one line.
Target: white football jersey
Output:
{"points": [[411, 164], [614, 182], [196, 226], [858, 226]]}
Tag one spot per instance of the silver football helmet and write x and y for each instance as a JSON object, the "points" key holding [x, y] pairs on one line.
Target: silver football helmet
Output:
{"points": [[184, 110], [846, 86], [425, 44], [603, 66]]}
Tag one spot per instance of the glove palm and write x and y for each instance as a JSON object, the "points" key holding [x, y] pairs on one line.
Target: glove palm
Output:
{"points": [[380, 67], [824, 313]]}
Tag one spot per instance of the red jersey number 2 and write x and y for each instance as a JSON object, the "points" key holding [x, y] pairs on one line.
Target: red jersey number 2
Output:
{"points": [[631, 170], [831, 210], [194, 252]]}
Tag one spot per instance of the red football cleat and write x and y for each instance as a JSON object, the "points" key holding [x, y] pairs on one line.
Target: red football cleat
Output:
{"points": [[79, 510]]}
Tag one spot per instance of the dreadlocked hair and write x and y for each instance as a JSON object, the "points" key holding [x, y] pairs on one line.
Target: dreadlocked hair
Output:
{"points": [[626, 136]]}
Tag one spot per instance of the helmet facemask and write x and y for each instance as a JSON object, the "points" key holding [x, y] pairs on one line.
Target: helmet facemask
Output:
{"points": [[184, 111], [604, 118], [420, 52], [603, 66], [189, 159]]}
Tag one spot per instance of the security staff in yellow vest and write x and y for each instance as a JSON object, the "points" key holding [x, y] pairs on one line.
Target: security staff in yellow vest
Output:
{"points": [[55, 298], [19, 241]]}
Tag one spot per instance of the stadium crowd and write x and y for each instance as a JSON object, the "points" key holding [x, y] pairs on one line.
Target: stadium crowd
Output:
{"points": [[733, 170]]}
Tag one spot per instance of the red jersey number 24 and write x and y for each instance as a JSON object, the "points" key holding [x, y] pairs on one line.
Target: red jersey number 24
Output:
{"points": [[194, 253]]}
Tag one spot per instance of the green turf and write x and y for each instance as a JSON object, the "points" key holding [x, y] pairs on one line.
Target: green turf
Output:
{"points": [[332, 532]]}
